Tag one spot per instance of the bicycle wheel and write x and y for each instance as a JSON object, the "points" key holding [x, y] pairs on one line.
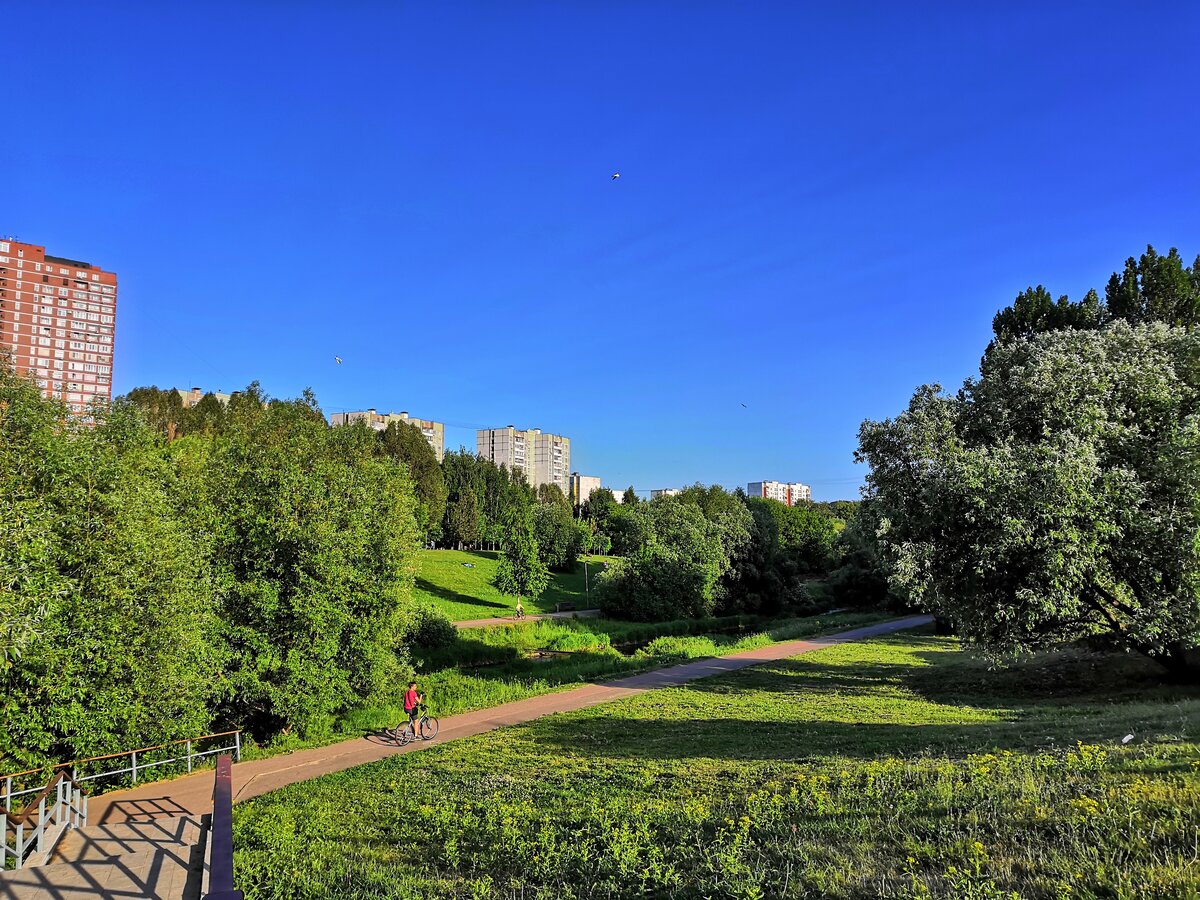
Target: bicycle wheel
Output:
{"points": [[429, 728]]}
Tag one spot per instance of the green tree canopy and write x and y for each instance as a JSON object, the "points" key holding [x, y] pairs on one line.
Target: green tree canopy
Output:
{"points": [[1055, 496], [406, 444], [521, 572]]}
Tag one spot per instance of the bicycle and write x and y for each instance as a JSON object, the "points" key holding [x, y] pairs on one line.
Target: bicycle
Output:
{"points": [[427, 728]]}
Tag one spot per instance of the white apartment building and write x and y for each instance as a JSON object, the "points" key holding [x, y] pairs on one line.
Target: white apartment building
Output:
{"points": [[434, 432], [665, 492], [544, 458], [790, 493]]}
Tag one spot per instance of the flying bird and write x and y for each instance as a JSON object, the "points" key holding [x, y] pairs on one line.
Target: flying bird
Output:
{"points": [[338, 360], [744, 406], [616, 175]]}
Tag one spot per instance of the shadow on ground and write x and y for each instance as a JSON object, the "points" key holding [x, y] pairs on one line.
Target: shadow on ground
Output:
{"points": [[456, 597], [940, 701]]}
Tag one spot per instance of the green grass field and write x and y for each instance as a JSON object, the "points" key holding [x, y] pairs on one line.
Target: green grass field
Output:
{"points": [[900, 767], [459, 583]]}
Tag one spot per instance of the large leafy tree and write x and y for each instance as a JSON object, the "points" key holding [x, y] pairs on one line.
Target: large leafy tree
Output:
{"points": [[559, 538], [405, 443], [692, 545], [106, 611], [1055, 496], [521, 572], [314, 553], [1151, 288]]}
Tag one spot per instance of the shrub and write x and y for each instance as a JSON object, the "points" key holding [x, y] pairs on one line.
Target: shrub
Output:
{"points": [[431, 630]]}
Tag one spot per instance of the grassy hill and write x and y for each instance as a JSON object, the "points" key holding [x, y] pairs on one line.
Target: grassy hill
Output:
{"points": [[460, 584], [900, 767]]}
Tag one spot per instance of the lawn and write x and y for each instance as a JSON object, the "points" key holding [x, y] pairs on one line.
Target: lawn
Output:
{"points": [[900, 767], [460, 584]]}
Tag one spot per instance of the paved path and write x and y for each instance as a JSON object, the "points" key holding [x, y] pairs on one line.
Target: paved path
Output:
{"points": [[192, 794], [509, 620]]}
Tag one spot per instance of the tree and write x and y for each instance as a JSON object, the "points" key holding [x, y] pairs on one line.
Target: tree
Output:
{"points": [[106, 612], [598, 507], [1054, 497], [559, 538], [552, 494], [521, 572], [314, 552], [462, 521], [1149, 289], [1155, 288], [406, 444], [678, 572], [162, 410], [630, 497]]}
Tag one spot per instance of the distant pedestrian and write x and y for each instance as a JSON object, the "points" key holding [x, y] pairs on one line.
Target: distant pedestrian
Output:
{"points": [[520, 613]]}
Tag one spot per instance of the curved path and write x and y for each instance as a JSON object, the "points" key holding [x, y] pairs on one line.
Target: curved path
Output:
{"points": [[192, 794]]}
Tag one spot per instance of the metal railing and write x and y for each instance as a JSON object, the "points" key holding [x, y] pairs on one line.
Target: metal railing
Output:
{"points": [[36, 839], [191, 756], [220, 838]]}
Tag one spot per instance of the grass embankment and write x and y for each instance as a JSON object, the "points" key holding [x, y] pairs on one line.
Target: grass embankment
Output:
{"points": [[899, 767], [461, 584], [454, 690]]}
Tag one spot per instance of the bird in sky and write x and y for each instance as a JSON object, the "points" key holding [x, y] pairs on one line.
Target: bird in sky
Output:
{"points": [[338, 360], [616, 175], [744, 406]]}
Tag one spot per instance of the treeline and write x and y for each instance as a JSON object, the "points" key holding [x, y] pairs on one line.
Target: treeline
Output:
{"points": [[708, 551], [1055, 497], [253, 573]]}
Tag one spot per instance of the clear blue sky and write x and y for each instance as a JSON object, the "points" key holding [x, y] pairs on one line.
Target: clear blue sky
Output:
{"points": [[820, 206]]}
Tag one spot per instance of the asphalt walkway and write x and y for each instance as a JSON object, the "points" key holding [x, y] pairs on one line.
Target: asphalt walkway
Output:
{"points": [[192, 794]]}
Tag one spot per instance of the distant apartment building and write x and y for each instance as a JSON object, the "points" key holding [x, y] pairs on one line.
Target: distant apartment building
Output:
{"points": [[434, 432], [544, 458], [57, 321], [195, 395], [582, 487], [785, 492], [665, 492]]}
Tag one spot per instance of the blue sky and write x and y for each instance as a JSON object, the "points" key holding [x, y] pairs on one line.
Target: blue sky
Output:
{"points": [[820, 207]]}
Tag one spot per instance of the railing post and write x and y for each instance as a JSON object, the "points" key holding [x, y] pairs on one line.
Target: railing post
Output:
{"points": [[41, 826], [189, 746], [237, 743], [20, 845], [3, 839], [133, 756], [8, 794]]}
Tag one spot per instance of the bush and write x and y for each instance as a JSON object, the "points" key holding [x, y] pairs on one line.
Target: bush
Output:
{"points": [[431, 630]]}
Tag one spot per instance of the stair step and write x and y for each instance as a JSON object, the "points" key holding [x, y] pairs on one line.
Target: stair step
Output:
{"points": [[169, 872], [105, 841]]}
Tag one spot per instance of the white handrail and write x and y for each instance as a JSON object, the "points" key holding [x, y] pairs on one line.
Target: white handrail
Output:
{"points": [[136, 766], [69, 811]]}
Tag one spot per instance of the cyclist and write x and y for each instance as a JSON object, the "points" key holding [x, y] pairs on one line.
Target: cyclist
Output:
{"points": [[412, 705]]}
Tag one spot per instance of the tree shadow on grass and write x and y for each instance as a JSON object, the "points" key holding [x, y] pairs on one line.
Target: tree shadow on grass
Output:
{"points": [[969, 679], [455, 597]]}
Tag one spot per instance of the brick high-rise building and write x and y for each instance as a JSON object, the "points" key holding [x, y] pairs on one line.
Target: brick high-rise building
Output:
{"points": [[57, 320]]}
